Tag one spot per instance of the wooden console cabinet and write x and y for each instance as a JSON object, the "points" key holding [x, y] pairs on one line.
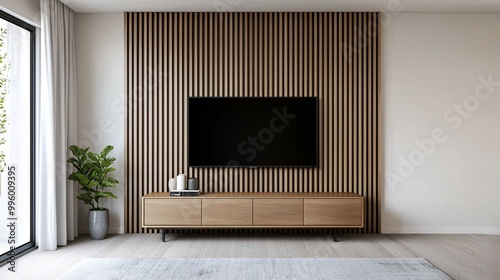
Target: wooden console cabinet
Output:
{"points": [[253, 210]]}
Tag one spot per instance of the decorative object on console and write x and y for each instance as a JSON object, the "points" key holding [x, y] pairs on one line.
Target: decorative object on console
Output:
{"points": [[181, 182], [185, 193], [193, 184], [172, 184]]}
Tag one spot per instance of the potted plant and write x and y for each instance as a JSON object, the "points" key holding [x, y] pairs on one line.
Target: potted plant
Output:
{"points": [[91, 172]]}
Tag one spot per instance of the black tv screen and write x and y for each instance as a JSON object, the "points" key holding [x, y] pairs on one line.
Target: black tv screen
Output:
{"points": [[252, 132]]}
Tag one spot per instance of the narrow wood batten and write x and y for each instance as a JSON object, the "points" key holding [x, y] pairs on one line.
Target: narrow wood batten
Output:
{"points": [[175, 55]]}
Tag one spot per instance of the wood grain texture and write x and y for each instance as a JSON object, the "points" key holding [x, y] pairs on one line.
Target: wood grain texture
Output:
{"points": [[175, 55], [185, 212], [281, 212], [320, 211], [226, 212]]}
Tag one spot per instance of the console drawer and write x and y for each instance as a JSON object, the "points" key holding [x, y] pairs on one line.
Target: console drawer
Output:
{"points": [[279, 212], [227, 212], [333, 212], [168, 212]]}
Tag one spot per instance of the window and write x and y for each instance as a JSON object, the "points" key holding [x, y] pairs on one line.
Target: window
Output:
{"points": [[17, 137]]}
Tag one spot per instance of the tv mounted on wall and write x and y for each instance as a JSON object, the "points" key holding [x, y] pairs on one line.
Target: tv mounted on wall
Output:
{"points": [[253, 132]]}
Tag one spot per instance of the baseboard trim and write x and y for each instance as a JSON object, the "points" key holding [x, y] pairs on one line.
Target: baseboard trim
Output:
{"points": [[450, 230]]}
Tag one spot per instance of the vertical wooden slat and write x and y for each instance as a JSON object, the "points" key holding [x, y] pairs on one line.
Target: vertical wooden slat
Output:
{"points": [[330, 105], [168, 108], [128, 88], [365, 116], [300, 78], [183, 97], [151, 88], [320, 92], [354, 111], [359, 112], [369, 135], [333, 56], [138, 120], [158, 103], [379, 164]]}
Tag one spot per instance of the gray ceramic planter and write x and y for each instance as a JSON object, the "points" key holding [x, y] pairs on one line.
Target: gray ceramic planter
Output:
{"points": [[98, 223]]}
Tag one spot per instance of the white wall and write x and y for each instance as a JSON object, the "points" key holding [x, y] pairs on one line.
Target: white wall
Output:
{"points": [[100, 56], [432, 62], [28, 10], [435, 67]]}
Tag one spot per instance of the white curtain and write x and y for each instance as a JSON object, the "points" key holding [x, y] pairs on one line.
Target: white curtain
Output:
{"points": [[56, 206]]}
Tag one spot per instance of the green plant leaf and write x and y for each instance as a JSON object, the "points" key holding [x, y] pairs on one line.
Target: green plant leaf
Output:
{"points": [[109, 169], [106, 151], [86, 198], [110, 194], [94, 157], [75, 162], [93, 184], [111, 181], [96, 168], [80, 178]]}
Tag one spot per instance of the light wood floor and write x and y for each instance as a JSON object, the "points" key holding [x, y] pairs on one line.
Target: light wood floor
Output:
{"points": [[460, 256]]}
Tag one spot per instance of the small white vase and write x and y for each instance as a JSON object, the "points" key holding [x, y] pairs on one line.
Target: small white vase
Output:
{"points": [[172, 184], [181, 182]]}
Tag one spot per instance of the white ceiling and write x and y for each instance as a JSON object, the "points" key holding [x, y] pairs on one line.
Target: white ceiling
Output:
{"points": [[107, 6]]}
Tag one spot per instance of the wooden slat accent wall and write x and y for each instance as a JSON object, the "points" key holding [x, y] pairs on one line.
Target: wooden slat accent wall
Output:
{"points": [[173, 55]]}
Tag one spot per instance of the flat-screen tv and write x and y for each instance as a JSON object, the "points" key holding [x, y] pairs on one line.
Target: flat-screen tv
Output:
{"points": [[253, 132]]}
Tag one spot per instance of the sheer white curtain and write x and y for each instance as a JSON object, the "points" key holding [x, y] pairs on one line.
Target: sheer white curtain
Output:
{"points": [[56, 206]]}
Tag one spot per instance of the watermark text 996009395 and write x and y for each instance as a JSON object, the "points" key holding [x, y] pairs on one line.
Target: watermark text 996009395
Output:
{"points": [[11, 216]]}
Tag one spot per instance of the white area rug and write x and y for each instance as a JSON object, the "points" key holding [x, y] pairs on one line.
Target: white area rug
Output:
{"points": [[258, 269]]}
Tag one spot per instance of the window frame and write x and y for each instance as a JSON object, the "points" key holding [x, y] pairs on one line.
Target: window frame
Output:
{"points": [[31, 245]]}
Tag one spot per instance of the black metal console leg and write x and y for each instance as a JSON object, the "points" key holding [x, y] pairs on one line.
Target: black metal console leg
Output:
{"points": [[163, 233], [335, 236]]}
